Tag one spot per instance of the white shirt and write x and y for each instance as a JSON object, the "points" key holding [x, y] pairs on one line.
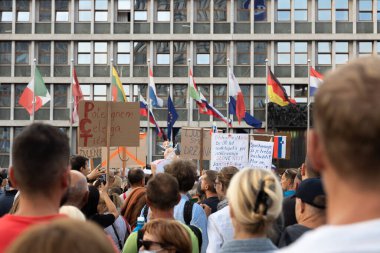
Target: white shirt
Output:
{"points": [[356, 237], [219, 229]]}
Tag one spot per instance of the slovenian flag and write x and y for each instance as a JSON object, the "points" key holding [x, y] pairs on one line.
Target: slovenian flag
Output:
{"points": [[316, 79], [279, 147], [152, 119], [156, 101], [212, 111], [235, 92]]}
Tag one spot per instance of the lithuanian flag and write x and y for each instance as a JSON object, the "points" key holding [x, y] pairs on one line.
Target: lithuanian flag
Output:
{"points": [[276, 91], [118, 94]]}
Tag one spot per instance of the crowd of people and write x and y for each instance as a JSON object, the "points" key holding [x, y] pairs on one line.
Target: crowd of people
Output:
{"points": [[51, 201]]}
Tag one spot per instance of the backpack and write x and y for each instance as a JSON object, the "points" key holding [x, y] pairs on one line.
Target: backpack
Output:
{"points": [[187, 215]]}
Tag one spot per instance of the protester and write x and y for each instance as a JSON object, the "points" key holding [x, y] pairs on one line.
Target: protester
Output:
{"points": [[72, 212], [310, 210], [186, 211], [208, 187], [133, 205], [40, 170], [6, 199], [255, 199], [219, 226], [162, 195], [63, 236], [80, 163], [136, 178], [344, 147], [287, 182], [163, 235], [77, 193], [114, 180]]}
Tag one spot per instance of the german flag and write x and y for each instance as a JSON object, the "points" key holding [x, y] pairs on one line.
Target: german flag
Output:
{"points": [[276, 91]]}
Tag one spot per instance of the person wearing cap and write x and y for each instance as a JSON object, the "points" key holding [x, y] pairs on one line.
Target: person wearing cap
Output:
{"points": [[310, 210]]}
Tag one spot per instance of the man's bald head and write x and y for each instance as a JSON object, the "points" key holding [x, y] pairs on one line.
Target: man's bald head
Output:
{"points": [[78, 190]]}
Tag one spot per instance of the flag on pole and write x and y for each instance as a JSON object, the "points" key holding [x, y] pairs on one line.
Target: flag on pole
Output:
{"points": [[279, 147], [77, 95], [248, 118], [172, 116], [316, 79], [118, 94], [235, 93], [276, 92], [156, 101], [212, 111], [196, 95], [41, 94], [152, 119]]}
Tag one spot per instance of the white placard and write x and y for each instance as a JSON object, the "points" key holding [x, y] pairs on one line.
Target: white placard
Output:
{"points": [[260, 154], [229, 150]]}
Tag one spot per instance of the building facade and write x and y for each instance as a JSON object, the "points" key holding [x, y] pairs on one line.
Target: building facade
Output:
{"points": [[93, 35]]}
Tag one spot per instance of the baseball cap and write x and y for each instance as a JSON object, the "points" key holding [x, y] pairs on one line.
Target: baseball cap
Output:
{"points": [[311, 192]]}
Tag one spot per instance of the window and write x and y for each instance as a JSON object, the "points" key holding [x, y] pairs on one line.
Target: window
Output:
{"points": [[179, 95], [100, 52], [300, 10], [259, 101], [86, 91], [44, 10], [220, 96], [365, 10], [44, 53], [163, 53], [300, 53], [141, 13], [101, 10], [341, 10], [203, 10], [220, 53], [243, 13], [203, 53], [61, 10], [364, 48], [324, 53], [22, 52], [260, 11], [123, 53], [324, 10], [60, 53], [6, 11], [124, 11], [22, 8], [85, 10], [5, 144], [283, 53], [243, 50], [100, 92], [163, 10], [19, 111], [139, 51], [179, 53], [300, 93], [84, 52], [378, 47], [341, 52], [61, 111], [5, 52], [180, 10], [260, 53], [5, 101], [220, 10], [283, 10]]}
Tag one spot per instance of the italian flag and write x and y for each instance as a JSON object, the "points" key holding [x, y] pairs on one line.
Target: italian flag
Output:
{"points": [[118, 94], [36, 89]]}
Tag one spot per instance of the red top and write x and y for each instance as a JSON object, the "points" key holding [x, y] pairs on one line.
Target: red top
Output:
{"points": [[11, 226]]}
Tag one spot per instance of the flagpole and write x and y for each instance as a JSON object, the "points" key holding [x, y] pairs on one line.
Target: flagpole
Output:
{"points": [[266, 96], [34, 88], [111, 69], [71, 105], [228, 93], [188, 94], [308, 95], [147, 119]]}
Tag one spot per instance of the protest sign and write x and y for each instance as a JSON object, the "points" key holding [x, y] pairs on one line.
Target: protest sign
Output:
{"points": [[90, 153], [123, 126], [193, 143], [260, 154], [229, 150]]}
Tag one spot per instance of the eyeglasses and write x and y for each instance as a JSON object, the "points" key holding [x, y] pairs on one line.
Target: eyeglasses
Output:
{"points": [[147, 244]]}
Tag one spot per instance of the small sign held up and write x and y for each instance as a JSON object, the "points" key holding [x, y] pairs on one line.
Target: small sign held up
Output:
{"points": [[260, 154], [124, 125]]}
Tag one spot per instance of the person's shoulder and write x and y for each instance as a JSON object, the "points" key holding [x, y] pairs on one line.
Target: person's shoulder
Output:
{"points": [[221, 213], [131, 243]]}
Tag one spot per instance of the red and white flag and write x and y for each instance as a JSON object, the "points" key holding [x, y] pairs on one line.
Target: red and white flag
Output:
{"points": [[235, 91], [77, 95]]}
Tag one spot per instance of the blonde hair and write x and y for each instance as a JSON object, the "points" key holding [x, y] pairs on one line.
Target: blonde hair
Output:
{"points": [[171, 233], [72, 212], [62, 236], [252, 213]]}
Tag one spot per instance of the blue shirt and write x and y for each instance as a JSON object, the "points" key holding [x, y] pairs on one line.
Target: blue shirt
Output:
{"points": [[289, 193], [198, 219]]}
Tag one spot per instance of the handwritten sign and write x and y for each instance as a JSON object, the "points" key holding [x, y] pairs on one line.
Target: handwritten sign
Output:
{"points": [[229, 149], [125, 124], [260, 154], [90, 153], [192, 141]]}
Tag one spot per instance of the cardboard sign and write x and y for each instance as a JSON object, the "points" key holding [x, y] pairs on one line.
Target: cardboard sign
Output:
{"points": [[260, 154], [229, 149], [134, 156], [192, 141], [124, 125], [90, 153]]}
